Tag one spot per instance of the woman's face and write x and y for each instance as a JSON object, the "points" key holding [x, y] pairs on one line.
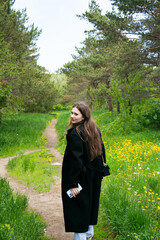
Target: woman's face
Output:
{"points": [[76, 116]]}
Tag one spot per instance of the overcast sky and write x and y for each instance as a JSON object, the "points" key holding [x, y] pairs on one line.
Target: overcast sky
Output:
{"points": [[62, 31]]}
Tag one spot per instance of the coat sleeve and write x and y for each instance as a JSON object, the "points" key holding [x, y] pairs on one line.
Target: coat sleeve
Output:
{"points": [[76, 159]]}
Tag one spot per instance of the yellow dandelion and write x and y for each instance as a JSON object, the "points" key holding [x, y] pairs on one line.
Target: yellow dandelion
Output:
{"points": [[8, 226]]}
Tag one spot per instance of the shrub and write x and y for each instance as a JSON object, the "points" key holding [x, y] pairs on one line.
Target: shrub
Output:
{"points": [[148, 114]]}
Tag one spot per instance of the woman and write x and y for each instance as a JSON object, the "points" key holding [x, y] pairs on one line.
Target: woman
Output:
{"points": [[82, 167]]}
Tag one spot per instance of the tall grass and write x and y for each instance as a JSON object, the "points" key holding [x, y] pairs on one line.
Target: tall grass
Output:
{"points": [[130, 199], [15, 222], [22, 132]]}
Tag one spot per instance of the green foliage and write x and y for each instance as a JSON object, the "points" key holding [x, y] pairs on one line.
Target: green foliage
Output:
{"points": [[22, 132], [15, 222], [34, 169], [4, 92], [60, 107], [115, 63], [19, 68], [60, 82], [148, 113]]}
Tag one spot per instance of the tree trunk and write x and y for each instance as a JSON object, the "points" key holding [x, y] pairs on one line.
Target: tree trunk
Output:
{"points": [[118, 107], [110, 103], [129, 101], [130, 107]]}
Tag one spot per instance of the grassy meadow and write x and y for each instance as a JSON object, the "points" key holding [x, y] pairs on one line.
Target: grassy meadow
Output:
{"points": [[34, 170], [130, 197], [17, 134], [22, 132]]}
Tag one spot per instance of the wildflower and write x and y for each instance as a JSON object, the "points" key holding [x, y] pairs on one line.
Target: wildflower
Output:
{"points": [[158, 207], [144, 187], [7, 226]]}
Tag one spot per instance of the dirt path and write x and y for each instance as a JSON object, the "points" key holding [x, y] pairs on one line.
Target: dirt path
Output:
{"points": [[49, 204]]}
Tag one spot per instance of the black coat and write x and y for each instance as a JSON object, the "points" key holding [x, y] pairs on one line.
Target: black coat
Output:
{"points": [[82, 211]]}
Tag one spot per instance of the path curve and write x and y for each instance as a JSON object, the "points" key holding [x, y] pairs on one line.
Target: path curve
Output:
{"points": [[48, 205]]}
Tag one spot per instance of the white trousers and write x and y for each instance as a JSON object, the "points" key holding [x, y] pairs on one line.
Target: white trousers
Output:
{"points": [[85, 235]]}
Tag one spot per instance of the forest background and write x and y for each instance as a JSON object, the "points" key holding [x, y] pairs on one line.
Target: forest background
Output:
{"points": [[117, 67]]}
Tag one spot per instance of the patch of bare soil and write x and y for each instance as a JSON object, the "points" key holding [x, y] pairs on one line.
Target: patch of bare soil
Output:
{"points": [[48, 205]]}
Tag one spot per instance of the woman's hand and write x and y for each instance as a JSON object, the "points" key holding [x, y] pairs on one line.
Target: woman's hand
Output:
{"points": [[75, 191]]}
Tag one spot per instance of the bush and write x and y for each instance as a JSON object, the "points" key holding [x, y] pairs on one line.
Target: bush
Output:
{"points": [[60, 107], [148, 114]]}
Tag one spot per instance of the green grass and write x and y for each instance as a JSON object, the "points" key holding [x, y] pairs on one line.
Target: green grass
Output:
{"points": [[17, 134], [63, 121], [130, 197], [16, 221], [35, 170], [22, 132]]}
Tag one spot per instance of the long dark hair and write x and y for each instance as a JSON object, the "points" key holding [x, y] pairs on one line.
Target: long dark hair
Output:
{"points": [[91, 131]]}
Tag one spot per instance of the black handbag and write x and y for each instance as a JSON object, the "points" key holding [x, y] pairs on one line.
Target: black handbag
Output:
{"points": [[105, 168]]}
